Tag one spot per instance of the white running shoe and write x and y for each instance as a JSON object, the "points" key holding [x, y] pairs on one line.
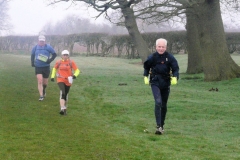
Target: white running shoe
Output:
{"points": [[41, 98], [159, 130]]}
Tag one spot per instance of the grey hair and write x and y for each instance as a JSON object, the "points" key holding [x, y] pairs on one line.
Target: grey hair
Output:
{"points": [[161, 39]]}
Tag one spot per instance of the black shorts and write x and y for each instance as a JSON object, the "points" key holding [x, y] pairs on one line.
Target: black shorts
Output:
{"points": [[45, 71]]}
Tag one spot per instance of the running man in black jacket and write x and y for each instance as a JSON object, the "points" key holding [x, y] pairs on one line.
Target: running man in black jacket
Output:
{"points": [[164, 71]]}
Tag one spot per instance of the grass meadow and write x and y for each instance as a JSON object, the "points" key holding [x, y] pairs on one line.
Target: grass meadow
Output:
{"points": [[109, 109]]}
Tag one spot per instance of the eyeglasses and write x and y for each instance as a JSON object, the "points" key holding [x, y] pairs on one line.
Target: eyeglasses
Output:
{"points": [[65, 54]]}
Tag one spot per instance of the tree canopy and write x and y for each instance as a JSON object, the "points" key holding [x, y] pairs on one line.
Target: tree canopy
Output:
{"points": [[207, 31]]}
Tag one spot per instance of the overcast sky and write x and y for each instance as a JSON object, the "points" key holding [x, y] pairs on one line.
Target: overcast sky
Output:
{"points": [[29, 16]]}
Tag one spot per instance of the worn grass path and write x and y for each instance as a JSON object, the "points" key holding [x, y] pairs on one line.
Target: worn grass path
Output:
{"points": [[109, 107]]}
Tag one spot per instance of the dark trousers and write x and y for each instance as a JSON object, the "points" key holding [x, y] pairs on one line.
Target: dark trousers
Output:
{"points": [[161, 98], [64, 90]]}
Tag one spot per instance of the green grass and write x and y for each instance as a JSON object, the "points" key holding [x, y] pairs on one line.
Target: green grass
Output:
{"points": [[109, 107]]}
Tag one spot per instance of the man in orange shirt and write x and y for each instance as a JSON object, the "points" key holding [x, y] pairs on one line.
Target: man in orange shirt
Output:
{"points": [[63, 70]]}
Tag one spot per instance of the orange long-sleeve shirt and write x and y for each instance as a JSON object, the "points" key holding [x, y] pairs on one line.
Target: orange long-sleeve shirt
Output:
{"points": [[64, 69]]}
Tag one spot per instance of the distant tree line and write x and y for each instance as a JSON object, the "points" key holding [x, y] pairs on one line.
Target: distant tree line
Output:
{"points": [[74, 24], [103, 44]]}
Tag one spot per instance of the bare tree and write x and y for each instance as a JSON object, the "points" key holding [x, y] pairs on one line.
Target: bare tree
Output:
{"points": [[217, 63], [4, 18], [194, 48], [73, 23], [206, 40], [127, 11], [205, 34]]}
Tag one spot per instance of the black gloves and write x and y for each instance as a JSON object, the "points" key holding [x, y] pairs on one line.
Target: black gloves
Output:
{"points": [[74, 77], [33, 65], [54, 55]]}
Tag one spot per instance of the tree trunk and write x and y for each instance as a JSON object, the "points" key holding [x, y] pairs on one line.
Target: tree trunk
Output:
{"points": [[131, 25], [193, 44], [217, 62]]}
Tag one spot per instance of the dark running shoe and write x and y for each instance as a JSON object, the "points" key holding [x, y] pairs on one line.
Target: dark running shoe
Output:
{"points": [[63, 112], [159, 130], [41, 98]]}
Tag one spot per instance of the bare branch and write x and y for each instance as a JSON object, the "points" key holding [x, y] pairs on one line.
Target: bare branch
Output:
{"points": [[4, 18]]}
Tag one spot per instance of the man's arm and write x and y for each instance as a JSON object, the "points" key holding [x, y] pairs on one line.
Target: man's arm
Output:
{"points": [[52, 52], [147, 65], [33, 56], [174, 67], [54, 55]]}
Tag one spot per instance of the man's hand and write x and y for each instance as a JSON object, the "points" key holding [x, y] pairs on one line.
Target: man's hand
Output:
{"points": [[173, 80], [74, 77], [52, 79], [33, 65], [146, 80]]}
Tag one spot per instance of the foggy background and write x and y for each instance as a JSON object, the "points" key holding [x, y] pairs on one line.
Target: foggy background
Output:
{"points": [[29, 17]]}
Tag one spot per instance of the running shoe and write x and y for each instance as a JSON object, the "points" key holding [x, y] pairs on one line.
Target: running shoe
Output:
{"points": [[63, 112], [41, 98], [159, 130]]}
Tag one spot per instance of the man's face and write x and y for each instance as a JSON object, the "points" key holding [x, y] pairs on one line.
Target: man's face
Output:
{"points": [[41, 43], [161, 47]]}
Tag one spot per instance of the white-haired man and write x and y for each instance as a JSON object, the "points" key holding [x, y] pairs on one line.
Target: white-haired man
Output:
{"points": [[164, 71]]}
